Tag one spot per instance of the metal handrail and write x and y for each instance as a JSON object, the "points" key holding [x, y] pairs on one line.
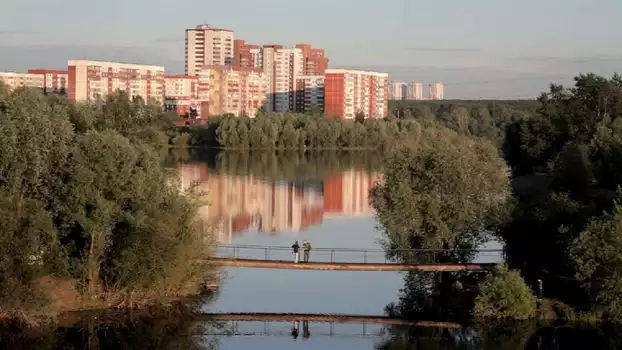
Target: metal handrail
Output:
{"points": [[343, 255], [374, 250]]}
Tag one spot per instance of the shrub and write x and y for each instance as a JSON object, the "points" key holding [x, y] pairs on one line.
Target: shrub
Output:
{"points": [[504, 294]]}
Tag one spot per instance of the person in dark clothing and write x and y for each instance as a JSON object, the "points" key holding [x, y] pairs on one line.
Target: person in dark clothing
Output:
{"points": [[295, 330], [295, 251], [306, 247], [305, 330]]}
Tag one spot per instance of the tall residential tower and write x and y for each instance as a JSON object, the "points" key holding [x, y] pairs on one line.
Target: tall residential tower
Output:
{"points": [[207, 46]]}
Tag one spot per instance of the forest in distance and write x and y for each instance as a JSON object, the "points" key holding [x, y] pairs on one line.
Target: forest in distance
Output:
{"points": [[86, 198], [272, 131]]}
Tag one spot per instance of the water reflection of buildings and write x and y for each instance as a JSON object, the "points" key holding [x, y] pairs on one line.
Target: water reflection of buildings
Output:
{"points": [[235, 204]]}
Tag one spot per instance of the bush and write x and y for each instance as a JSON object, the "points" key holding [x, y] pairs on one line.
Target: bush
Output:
{"points": [[504, 294]]}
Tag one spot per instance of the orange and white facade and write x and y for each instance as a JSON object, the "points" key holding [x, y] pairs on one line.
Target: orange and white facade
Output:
{"points": [[208, 46], [348, 193], [351, 92], [15, 80], [247, 55], [315, 60], [181, 94], [53, 80], [89, 80], [232, 90]]}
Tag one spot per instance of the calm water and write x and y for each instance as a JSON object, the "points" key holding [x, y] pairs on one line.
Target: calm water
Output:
{"points": [[273, 201], [329, 208], [331, 212]]}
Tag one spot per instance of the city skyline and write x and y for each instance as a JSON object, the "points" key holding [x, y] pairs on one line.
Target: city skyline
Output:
{"points": [[508, 59]]}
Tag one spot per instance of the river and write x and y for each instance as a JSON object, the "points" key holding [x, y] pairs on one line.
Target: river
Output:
{"points": [[268, 200]]}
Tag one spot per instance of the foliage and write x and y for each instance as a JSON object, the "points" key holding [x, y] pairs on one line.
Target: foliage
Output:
{"points": [[504, 294], [83, 195], [568, 153], [598, 262], [486, 119], [444, 191], [297, 132]]}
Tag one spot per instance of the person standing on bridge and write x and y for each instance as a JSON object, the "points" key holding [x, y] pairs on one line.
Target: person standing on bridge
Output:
{"points": [[295, 251], [306, 246]]}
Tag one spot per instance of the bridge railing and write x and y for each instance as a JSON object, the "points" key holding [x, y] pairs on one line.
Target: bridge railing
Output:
{"points": [[365, 256]]}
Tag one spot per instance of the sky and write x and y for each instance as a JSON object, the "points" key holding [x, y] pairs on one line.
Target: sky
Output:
{"points": [[478, 48]]}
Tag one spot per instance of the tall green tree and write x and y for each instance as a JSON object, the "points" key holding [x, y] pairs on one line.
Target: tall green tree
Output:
{"points": [[442, 191]]}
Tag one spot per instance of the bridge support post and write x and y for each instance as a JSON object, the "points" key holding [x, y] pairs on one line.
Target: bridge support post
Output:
{"points": [[266, 253]]}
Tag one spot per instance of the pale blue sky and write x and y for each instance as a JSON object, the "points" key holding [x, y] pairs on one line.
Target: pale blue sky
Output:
{"points": [[479, 48]]}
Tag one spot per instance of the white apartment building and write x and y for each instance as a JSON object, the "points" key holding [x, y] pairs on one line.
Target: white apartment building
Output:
{"points": [[206, 46], [437, 91], [282, 67], [89, 80], [310, 92], [181, 94], [397, 90], [415, 91], [14, 80]]}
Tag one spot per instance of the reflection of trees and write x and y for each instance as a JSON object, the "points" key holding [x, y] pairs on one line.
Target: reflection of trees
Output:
{"points": [[173, 330], [490, 337], [442, 296], [288, 165]]}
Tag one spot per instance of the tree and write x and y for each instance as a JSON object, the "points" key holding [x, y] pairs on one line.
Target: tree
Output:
{"points": [[443, 191], [504, 295], [598, 262]]}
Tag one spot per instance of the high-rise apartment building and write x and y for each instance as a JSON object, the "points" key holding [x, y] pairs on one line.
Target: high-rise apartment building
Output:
{"points": [[348, 93], [207, 46], [397, 90], [247, 55], [314, 60], [282, 67], [89, 80], [53, 80], [309, 93], [232, 90], [181, 95], [437, 91], [415, 91]]}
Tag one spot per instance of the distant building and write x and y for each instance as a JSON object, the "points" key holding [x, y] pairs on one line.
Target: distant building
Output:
{"points": [[89, 80], [437, 91], [397, 90], [15, 80], [231, 90], [54, 81], [282, 67], [181, 94], [351, 92], [247, 55], [309, 93], [314, 60], [414, 91], [208, 46]]}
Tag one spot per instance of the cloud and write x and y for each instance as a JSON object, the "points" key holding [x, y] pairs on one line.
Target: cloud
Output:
{"points": [[167, 40], [444, 49]]}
